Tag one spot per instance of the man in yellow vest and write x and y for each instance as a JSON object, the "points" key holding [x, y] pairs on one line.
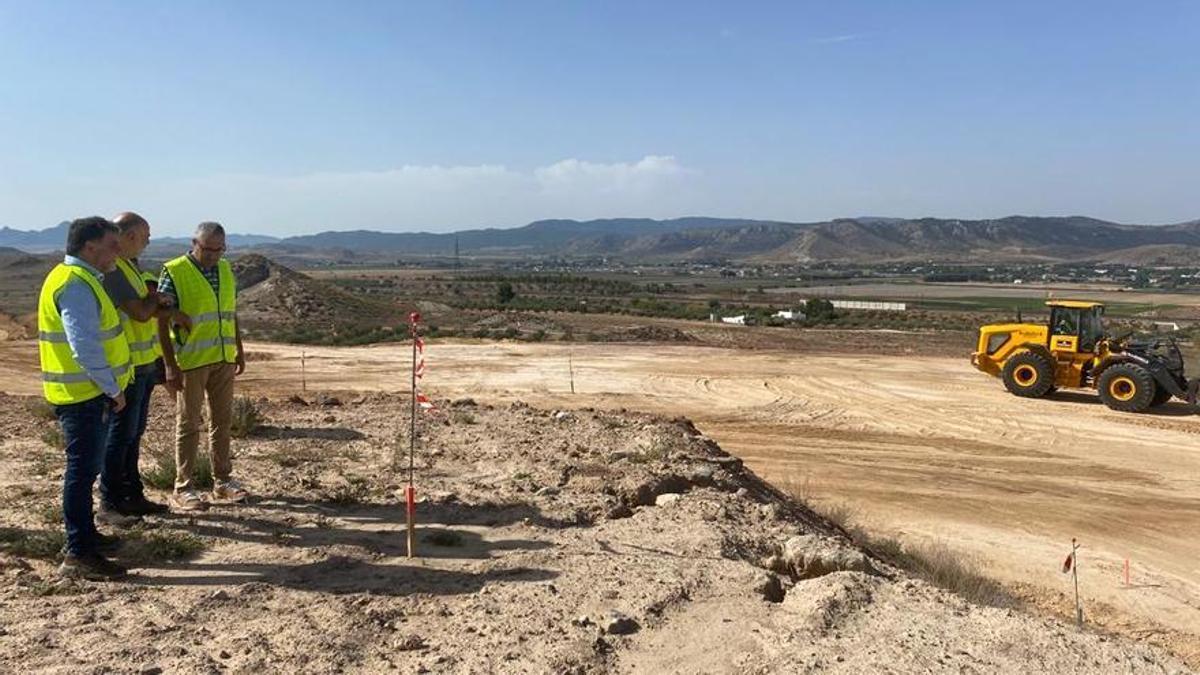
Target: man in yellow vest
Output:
{"points": [[122, 495], [201, 361], [85, 368]]}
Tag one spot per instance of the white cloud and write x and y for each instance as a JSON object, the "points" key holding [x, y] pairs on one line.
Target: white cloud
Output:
{"points": [[834, 39], [435, 198]]}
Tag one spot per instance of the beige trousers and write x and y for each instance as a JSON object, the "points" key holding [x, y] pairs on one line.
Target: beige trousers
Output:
{"points": [[216, 382]]}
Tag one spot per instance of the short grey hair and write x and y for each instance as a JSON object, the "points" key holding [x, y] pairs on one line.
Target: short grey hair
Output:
{"points": [[209, 228]]}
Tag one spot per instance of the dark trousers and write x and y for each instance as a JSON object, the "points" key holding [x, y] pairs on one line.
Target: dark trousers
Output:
{"points": [[85, 430], [120, 480]]}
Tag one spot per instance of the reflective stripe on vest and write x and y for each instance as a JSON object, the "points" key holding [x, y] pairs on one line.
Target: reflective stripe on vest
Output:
{"points": [[213, 335], [64, 381], [141, 335]]}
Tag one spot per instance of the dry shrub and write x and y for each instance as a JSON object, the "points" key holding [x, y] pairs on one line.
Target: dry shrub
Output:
{"points": [[44, 544], [246, 417], [161, 474], [933, 562], [159, 545]]}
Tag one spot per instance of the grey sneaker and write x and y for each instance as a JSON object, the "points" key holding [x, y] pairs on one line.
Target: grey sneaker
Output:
{"points": [[91, 566], [229, 491], [107, 515], [188, 500]]}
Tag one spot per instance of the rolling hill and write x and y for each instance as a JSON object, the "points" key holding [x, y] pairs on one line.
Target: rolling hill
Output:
{"points": [[861, 240]]}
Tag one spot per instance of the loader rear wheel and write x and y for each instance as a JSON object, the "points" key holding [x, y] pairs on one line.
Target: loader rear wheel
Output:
{"points": [[1127, 387], [1029, 375]]}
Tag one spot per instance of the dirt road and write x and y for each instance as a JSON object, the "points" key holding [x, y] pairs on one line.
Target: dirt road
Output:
{"points": [[920, 447]]}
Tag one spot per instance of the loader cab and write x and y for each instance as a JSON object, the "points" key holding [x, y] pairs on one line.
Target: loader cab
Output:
{"points": [[1075, 326]]}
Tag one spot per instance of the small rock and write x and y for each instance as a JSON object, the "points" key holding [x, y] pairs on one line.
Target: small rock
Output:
{"points": [[220, 595], [463, 403], [328, 401], [741, 492], [296, 400], [150, 670], [770, 511], [582, 621], [701, 474], [563, 416], [619, 511], [410, 643], [548, 491], [728, 462], [225, 654], [809, 556], [619, 624], [666, 499], [768, 586]]}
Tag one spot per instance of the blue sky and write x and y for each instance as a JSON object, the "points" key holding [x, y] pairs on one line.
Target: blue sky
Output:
{"points": [[299, 117]]}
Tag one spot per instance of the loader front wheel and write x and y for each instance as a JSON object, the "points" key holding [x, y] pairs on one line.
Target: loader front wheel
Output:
{"points": [[1127, 387], [1029, 375]]}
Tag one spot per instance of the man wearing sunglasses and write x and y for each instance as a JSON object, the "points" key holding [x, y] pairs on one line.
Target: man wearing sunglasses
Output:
{"points": [[201, 362]]}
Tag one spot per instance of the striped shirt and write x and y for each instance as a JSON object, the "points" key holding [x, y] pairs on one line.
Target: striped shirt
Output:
{"points": [[167, 287]]}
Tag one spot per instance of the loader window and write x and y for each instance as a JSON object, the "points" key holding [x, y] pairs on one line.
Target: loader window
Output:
{"points": [[1064, 321], [1091, 331]]}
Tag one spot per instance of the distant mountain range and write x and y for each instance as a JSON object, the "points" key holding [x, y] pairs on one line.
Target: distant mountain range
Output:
{"points": [[873, 239]]}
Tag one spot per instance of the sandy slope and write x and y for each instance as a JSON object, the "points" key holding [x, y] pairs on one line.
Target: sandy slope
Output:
{"points": [[924, 447]]}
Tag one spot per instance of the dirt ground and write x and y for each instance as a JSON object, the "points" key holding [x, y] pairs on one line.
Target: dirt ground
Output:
{"points": [[922, 447], [550, 541]]}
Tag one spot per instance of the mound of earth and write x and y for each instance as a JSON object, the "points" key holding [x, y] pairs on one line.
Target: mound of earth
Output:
{"points": [[548, 541], [648, 333], [272, 293], [523, 323]]}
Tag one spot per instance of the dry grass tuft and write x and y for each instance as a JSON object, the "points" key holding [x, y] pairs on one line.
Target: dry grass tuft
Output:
{"points": [[933, 562]]}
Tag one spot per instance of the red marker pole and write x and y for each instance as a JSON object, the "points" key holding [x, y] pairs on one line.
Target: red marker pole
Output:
{"points": [[410, 493]]}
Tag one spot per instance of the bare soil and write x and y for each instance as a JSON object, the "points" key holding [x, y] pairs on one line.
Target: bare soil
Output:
{"points": [[549, 542], [519, 542]]}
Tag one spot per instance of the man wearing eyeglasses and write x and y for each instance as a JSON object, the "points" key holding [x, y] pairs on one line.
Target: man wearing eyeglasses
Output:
{"points": [[201, 362]]}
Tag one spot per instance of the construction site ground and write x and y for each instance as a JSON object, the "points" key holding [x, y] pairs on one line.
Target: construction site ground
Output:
{"points": [[920, 447]]}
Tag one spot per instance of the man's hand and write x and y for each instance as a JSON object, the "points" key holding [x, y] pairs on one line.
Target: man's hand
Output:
{"points": [[163, 300], [118, 402], [239, 364], [182, 320], [172, 379]]}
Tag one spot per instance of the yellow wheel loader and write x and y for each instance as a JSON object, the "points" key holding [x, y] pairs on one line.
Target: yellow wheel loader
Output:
{"points": [[1071, 351]]}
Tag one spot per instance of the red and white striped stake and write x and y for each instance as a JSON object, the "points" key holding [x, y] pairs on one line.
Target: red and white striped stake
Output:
{"points": [[410, 493]]}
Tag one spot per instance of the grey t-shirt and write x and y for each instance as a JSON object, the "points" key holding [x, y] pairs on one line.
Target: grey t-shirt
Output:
{"points": [[118, 287]]}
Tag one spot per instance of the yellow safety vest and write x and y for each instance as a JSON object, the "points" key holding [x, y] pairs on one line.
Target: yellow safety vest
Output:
{"points": [[141, 335], [64, 381], [213, 336]]}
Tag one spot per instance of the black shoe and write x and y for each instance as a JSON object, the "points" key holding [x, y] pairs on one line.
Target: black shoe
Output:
{"points": [[105, 545], [91, 566], [114, 516], [140, 506]]}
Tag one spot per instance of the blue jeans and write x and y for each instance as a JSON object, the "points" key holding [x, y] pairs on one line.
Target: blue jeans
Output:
{"points": [[85, 430], [120, 480]]}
